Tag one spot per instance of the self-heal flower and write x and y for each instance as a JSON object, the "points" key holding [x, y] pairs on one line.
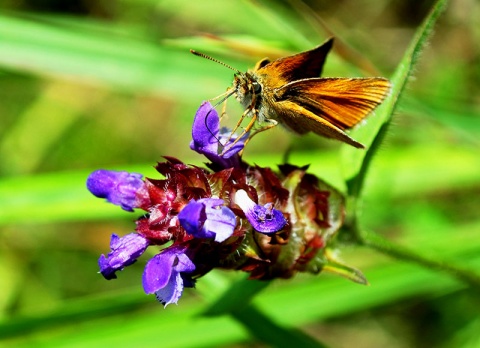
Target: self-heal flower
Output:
{"points": [[271, 224], [166, 274], [264, 219], [125, 251], [120, 188], [210, 140], [208, 218]]}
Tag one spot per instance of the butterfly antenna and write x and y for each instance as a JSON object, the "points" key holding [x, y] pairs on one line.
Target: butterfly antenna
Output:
{"points": [[215, 60]]}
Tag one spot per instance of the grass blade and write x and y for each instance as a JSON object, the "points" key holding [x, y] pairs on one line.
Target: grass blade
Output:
{"points": [[356, 162]]}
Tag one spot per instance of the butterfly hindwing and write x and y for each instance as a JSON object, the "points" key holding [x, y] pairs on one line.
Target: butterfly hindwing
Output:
{"points": [[343, 102], [301, 121]]}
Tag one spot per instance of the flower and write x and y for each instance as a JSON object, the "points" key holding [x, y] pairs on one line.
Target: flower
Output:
{"points": [[271, 224], [125, 251], [263, 219], [166, 274], [119, 188], [208, 218], [208, 139]]}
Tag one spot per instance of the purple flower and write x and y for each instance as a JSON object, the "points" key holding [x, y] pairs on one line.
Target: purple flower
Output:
{"points": [[263, 219], [210, 141], [120, 188], [125, 251], [166, 274], [208, 218]]}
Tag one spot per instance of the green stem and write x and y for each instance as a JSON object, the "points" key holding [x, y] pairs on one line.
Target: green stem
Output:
{"points": [[375, 241], [269, 332]]}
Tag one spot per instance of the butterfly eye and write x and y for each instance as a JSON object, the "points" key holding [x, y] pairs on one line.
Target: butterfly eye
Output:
{"points": [[257, 88]]}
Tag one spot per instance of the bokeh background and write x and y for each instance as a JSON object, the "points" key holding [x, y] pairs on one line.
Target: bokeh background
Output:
{"points": [[111, 84]]}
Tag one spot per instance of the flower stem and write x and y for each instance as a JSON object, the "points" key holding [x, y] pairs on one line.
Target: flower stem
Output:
{"points": [[377, 242]]}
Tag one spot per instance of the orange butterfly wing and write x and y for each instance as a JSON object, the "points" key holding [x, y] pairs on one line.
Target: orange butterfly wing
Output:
{"points": [[327, 106], [299, 66], [342, 101], [300, 120]]}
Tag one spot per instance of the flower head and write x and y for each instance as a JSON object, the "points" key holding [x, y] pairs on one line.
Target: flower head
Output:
{"points": [[271, 224]]}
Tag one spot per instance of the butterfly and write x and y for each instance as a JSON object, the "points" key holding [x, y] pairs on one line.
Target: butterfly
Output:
{"points": [[289, 91]]}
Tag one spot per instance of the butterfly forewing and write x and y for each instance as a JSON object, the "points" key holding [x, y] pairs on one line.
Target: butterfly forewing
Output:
{"points": [[299, 66]]}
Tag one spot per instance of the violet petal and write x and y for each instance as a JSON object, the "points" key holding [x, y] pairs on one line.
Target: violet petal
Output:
{"points": [[205, 130], [118, 187], [221, 221], [192, 217], [207, 138], [264, 219], [208, 218], [163, 277], [125, 251]]}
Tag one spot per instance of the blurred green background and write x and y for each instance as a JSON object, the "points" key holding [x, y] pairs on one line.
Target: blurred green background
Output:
{"points": [[111, 84]]}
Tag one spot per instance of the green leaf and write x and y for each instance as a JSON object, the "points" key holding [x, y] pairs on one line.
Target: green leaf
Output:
{"points": [[356, 162], [333, 265]]}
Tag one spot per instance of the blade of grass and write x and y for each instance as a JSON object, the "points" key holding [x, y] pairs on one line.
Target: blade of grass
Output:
{"points": [[61, 105], [355, 162], [263, 328], [236, 297], [102, 57]]}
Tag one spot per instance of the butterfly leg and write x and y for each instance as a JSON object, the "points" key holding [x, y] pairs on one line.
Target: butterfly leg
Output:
{"points": [[224, 110], [245, 113], [245, 130], [271, 123], [250, 109]]}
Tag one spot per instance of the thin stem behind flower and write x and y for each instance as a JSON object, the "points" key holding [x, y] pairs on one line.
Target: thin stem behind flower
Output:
{"points": [[375, 241]]}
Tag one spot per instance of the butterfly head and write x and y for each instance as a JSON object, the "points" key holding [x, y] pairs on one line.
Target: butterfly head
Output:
{"points": [[247, 89]]}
